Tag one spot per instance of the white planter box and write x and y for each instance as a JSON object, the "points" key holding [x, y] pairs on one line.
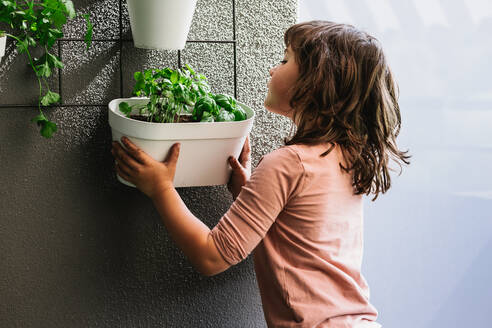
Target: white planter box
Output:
{"points": [[205, 146], [3, 42], [160, 24]]}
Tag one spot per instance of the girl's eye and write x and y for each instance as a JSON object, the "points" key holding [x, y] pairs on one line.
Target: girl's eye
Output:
{"points": [[283, 62]]}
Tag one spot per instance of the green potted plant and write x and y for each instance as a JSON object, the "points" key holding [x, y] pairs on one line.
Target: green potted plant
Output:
{"points": [[37, 24], [177, 106], [160, 24]]}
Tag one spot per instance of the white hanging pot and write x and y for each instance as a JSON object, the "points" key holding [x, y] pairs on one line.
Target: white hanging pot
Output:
{"points": [[160, 24], [3, 42], [205, 146]]}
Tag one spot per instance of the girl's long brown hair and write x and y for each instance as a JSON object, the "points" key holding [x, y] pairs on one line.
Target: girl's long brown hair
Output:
{"points": [[346, 94]]}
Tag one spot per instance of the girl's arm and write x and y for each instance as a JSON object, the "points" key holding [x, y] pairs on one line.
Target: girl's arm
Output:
{"points": [[155, 179], [190, 234]]}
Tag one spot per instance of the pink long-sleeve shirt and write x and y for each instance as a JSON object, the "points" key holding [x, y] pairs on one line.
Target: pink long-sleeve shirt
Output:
{"points": [[300, 218]]}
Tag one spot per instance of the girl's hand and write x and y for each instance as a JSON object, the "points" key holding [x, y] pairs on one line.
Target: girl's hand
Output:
{"points": [[135, 166], [241, 171]]}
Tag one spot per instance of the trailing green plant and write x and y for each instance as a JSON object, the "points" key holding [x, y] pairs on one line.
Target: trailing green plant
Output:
{"points": [[38, 25], [183, 91]]}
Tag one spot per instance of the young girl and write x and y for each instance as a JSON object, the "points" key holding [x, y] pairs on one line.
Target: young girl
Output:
{"points": [[301, 209]]}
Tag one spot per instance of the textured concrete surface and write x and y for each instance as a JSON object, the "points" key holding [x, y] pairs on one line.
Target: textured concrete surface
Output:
{"points": [[78, 248], [18, 83], [104, 14], [215, 61], [261, 26], [90, 76]]}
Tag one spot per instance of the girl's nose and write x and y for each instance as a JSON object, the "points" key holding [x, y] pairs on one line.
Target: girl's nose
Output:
{"points": [[271, 71]]}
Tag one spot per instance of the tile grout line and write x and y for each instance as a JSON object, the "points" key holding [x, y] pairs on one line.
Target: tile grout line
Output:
{"points": [[60, 74], [121, 49], [128, 40], [235, 45]]}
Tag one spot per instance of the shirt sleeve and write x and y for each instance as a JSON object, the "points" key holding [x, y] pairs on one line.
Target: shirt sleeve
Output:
{"points": [[274, 181]]}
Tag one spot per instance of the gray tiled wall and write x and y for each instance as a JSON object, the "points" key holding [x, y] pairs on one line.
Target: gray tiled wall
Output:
{"points": [[78, 248]]}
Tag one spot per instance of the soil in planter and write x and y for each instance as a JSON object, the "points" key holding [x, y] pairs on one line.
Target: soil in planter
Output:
{"points": [[177, 119]]}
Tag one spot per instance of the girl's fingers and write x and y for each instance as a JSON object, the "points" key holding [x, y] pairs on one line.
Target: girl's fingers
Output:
{"points": [[245, 155], [136, 152], [234, 163], [172, 156], [121, 172], [125, 168], [122, 157]]}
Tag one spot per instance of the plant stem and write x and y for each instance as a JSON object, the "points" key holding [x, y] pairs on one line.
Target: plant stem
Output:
{"points": [[26, 48]]}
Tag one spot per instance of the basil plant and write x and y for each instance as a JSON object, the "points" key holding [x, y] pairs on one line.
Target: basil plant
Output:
{"points": [[180, 92]]}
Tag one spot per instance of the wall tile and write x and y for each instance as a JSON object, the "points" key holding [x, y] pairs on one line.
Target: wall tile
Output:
{"points": [[104, 15], [212, 20], [215, 61], [125, 21], [18, 82], [90, 77]]}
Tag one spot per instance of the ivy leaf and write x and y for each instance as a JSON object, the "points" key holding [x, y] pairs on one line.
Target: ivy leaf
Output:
{"points": [[22, 46], [51, 37], [20, 13], [30, 41], [55, 33], [70, 9], [43, 70], [50, 98], [88, 34], [56, 10], [39, 118], [9, 4], [54, 61], [47, 127]]}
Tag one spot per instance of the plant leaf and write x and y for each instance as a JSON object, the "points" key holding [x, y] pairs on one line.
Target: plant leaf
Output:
{"points": [[39, 118], [70, 8], [31, 42], [50, 98], [190, 69], [47, 127], [88, 33], [43, 70], [125, 108], [239, 114], [225, 116], [174, 77], [54, 61], [22, 46], [138, 76]]}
